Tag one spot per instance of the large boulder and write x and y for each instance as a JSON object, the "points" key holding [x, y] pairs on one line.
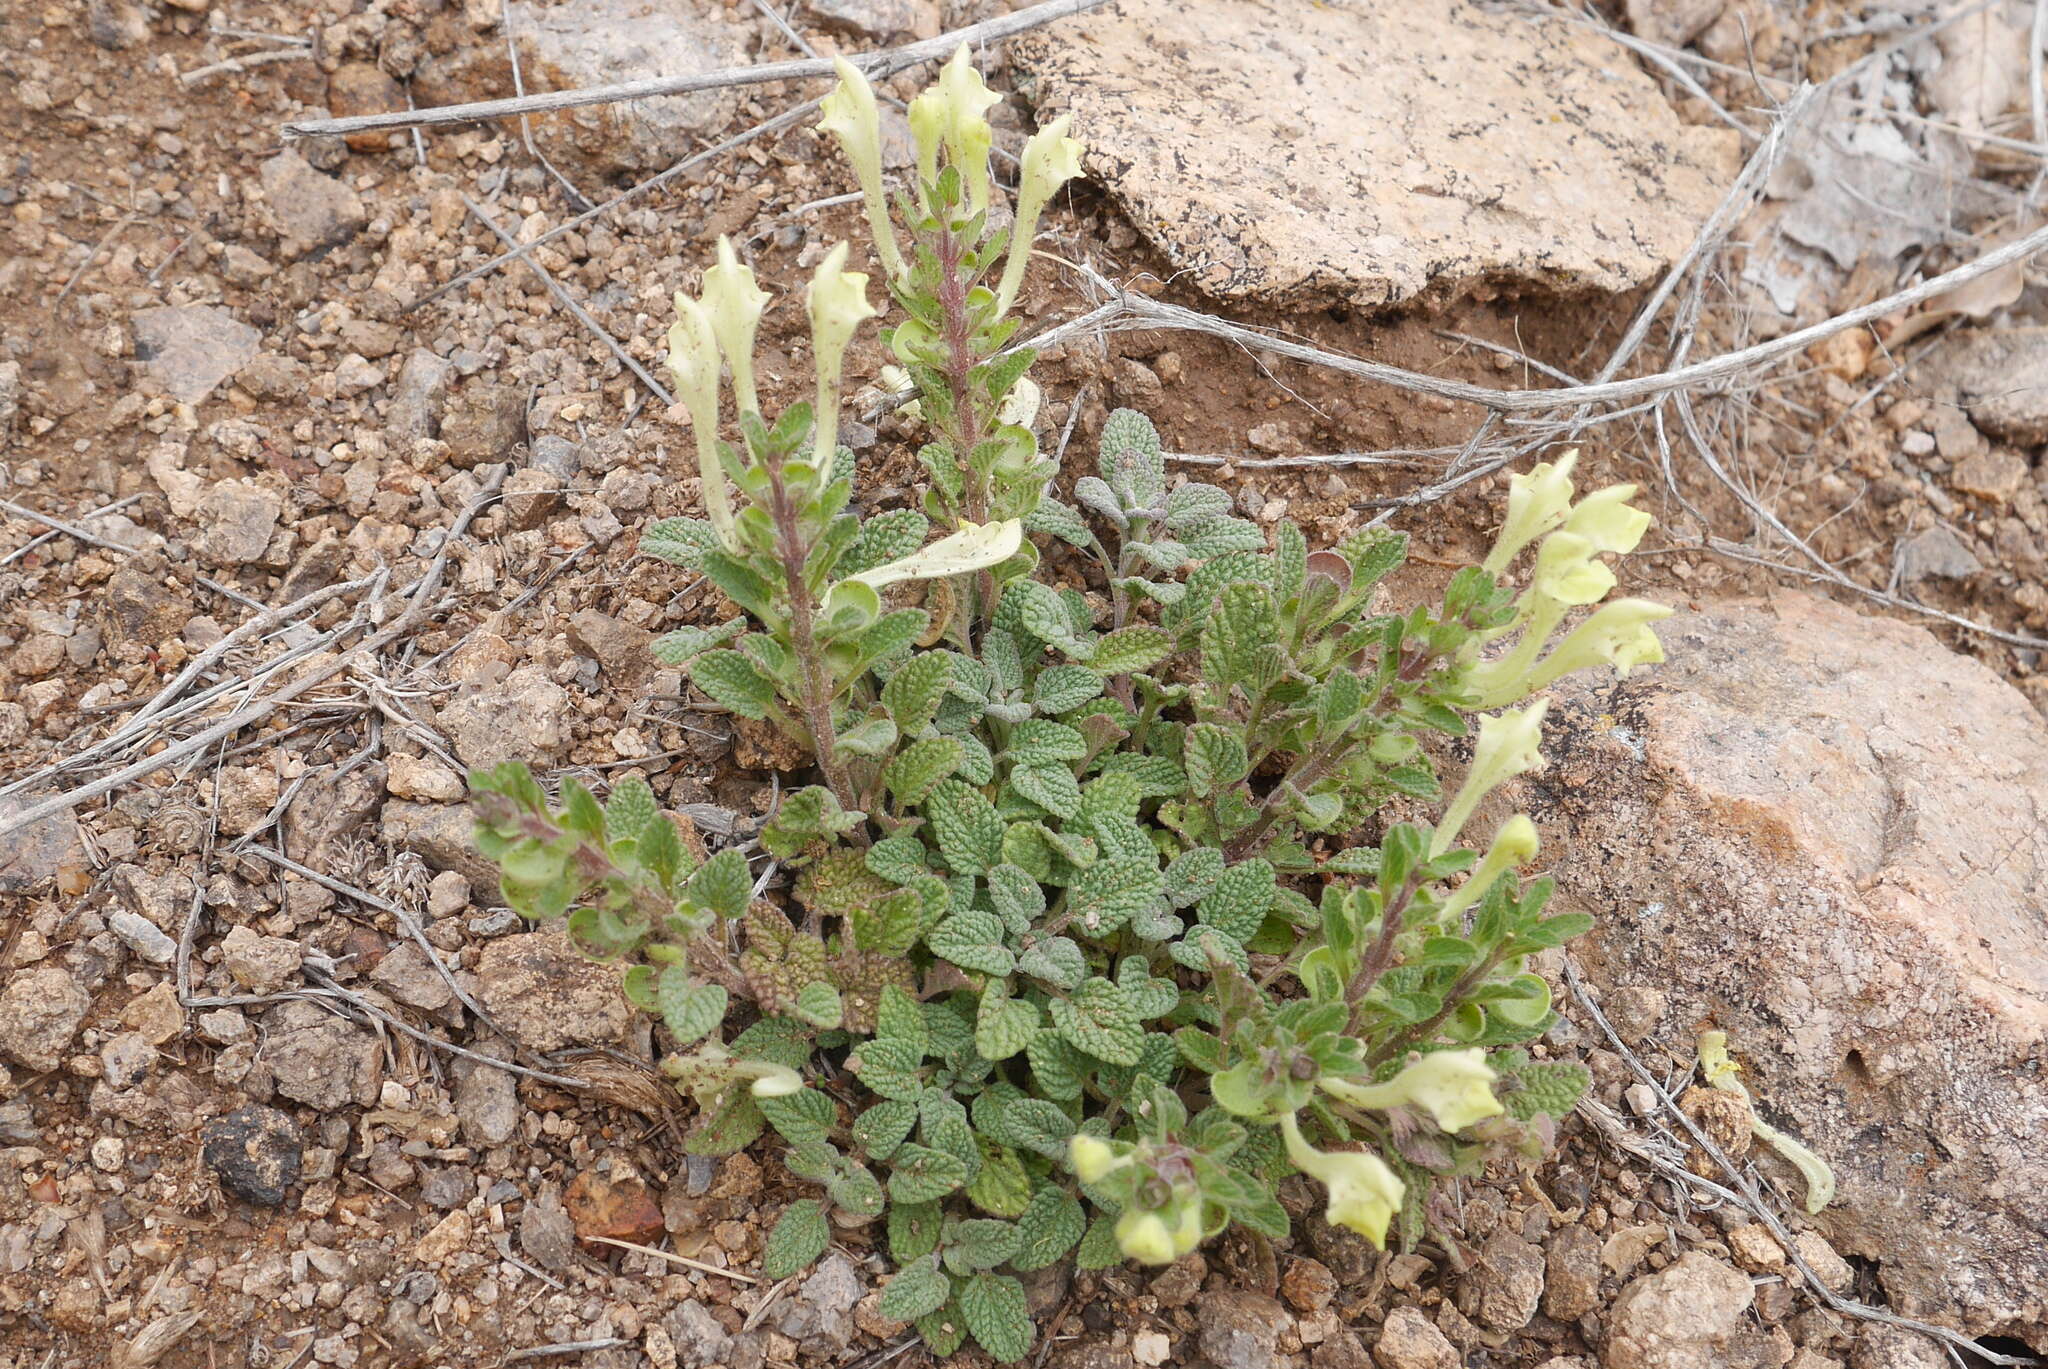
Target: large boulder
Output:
{"points": [[1300, 155], [1823, 833]]}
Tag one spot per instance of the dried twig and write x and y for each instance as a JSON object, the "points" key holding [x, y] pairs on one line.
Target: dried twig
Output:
{"points": [[875, 64], [671, 1257], [247, 62], [567, 1347]]}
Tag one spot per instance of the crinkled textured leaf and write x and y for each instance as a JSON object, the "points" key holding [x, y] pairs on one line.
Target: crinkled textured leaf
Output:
{"points": [[920, 1174], [997, 1311], [1213, 757], [1157, 777], [1552, 1089], [880, 1129], [839, 883], [1051, 786], [1110, 891], [1099, 1020], [729, 678], [1128, 649], [889, 1067], [969, 830], [690, 1011], [915, 688], [1241, 900], [1001, 1188], [1058, 1068], [1055, 961], [918, 1289], [679, 541], [884, 537], [1063, 687], [973, 941], [799, 1237], [1048, 1228], [1003, 1026], [1193, 875], [919, 767], [1040, 741]]}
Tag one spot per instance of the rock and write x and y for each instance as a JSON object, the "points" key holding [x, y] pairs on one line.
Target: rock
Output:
{"points": [[545, 1232], [1820, 831], [530, 496], [1894, 1347], [364, 88], [408, 976], [484, 424], [443, 835], [223, 1026], [236, 522], [1674, 23], [318, 1059], [31, 856], [1328, 160], [2003, 377], [700, 1339], [619, 648], [447, 1238], [421, 777], [141, 936], [1180, 1282], [143, 605], [524, 718], [447, 1188], [156, 1015], [1571, 1282], [1636, 1011], [125, 1060], [1239, 1329], [617, 1209], [875, 18], [1683, 1317], [548, 994], [486, 1101], [419, 395], [39, 1014], [191, 348], [1994, 475], [1308, 1285], [1509, 1282], [1831, 1269], [1935, 554], [245, 794], [819, 1318], [601, 42], [260, 964], [329, 809], [1410, 1341], [254, 1152], [243, 267], [311, 212], [557, 456], [354, 374], [447, 894]]}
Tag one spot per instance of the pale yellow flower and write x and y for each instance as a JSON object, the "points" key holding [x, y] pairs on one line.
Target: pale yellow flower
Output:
{"points": [[1510, 744], [853, 120], [694, 362], [1364, 1193], [1051, 159], [838, 304], [1454, 1087], [1537, 503], [734, 304]]}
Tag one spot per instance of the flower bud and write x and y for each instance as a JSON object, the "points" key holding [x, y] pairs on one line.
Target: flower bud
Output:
{"points": [[1093, 1158], [1510, 744], [1051, 159], [1537, 502], [1514, 844], [1364, 1194], [838, 302], [693, 361], [852, 119], [1144, 1236], [734, 304]]}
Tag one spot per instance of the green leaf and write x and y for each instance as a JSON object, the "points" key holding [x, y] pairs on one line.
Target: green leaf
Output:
{"points": [[1055, 961], [981, 1243], [919, 1289], [1552, 1089], [1099, 1247], [880, 1129], [1193, 875], [800, 1236], [730, 679], [1002, 1188], [1110, 892], [723, 884], [1242, 898], [885, 537], [1056, 518], [1041, 741], [997, 1311], [679, 541], [1146, 995], [1099, 1019], [1003, 1026], [1042, 613], [690, 1011], [1157, 777], [890, 1067], [920, 766], [732, 1125], [1039, 1126], [1048, 1228], [1051, 786], [629, 810], [1234, 634], [920, 1174], [1061, 688], [969, 829], [869, 737], [805, 1117], [1059, 1068], [1214, 757], [1200, 1049], [889, 925], [1130, 458], [856, 1189], [818, 1004], [914, 1230], [915, 688], [1128, 649], [901, 1018], [973, 941]]}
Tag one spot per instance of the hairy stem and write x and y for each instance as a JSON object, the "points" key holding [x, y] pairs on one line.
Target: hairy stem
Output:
{"points": [[791, 551], [1380, 955]]}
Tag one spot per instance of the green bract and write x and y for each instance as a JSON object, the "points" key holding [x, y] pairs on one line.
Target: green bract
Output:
{"points": [[1090, 942]]}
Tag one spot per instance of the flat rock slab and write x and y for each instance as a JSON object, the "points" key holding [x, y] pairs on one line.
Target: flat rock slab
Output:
{"points": [[1375, 151], [192, 348], [2002, 375], [1823, 833]]}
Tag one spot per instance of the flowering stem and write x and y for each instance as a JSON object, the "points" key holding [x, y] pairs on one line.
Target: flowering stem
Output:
{"points": [[791, 551]]}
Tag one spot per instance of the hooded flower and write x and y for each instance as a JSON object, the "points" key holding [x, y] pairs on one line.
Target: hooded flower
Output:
{"points": [[838, 302], [1618, 635], [952, 112], [1606, 519], [1051, 159], [1454, 1087], [1515, 844], [1567, 573], [734, 304], [852, 119], [1510, 744], [1161, 1235], [1537, 502], [1364, 1194], [693, 360]]}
